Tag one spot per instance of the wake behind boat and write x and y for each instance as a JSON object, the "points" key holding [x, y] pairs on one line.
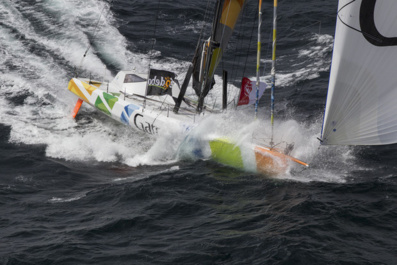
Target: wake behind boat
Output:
{"points": [[155, 102]]}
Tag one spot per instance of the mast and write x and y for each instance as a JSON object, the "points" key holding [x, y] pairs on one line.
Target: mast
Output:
{"points": [[258, 57], [273, 72], [227, 14], [208, 48]]}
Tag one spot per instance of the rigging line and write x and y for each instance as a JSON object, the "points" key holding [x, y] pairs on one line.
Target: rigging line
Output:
{"points": [[343, 7], [223, 34], [90, 43], [239, 46], [258, 56], [269, 42], [353, 28], [154, 33], [273, 71], [227, 16], [204, 26], [96, 27], [151, 52], [298, 31], [254, 15], [248, 50], [346, 5], [161, 111], [245, 11], [252, 34], [224, 28], [206, 15], [216, 16]]}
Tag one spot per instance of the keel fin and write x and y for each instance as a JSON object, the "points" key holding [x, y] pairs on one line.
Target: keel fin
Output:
{"points": [[77, 107]]}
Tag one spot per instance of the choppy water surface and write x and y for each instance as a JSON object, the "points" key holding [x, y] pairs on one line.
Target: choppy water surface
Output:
{"points": [[91, 191]]}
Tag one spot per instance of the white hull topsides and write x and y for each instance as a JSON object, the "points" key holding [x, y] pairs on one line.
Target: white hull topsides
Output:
{"points": [[126, 102]]}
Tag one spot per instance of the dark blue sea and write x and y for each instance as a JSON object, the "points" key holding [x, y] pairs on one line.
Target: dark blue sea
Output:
{"points": [[92, 191]]}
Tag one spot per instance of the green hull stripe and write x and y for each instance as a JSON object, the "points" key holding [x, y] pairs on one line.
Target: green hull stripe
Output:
{"points": [[111, 100], [99, 104]]}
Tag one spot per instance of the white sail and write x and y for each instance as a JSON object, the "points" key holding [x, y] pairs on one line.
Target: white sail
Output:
{"points": [[361, 106]]}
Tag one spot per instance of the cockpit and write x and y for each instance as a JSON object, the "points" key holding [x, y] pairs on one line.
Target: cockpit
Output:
{"points": [[132, 78]]}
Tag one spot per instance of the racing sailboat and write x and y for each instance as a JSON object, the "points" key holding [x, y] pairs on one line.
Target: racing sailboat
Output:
{"points": [[154, 102], [361, 104]]}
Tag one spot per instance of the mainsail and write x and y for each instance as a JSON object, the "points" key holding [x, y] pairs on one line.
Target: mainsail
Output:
{"points": [[361, 106], [212, 50]]}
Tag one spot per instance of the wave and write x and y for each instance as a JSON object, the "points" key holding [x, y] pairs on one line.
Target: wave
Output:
{"points": [[44, 43]]}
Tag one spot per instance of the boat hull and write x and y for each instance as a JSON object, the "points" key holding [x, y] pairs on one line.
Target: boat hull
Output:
{"points": [[155, 118], [151, 119]]}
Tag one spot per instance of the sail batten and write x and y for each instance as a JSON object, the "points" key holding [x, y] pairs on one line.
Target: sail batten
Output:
{"points": [[361, 106]]}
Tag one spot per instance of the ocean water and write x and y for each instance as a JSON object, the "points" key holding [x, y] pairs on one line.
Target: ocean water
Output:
{"points": [[92, 191]]}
